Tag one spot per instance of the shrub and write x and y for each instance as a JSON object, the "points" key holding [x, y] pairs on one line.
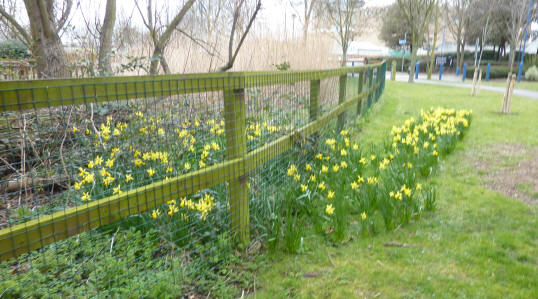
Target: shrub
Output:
{"points": [[13, 49], [496, 71], [532, 74]]}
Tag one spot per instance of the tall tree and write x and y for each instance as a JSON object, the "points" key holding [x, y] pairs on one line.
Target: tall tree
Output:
{"points": [[306, 13], [458, 23], [47, 18], [242, 14], [161, 32], [394, 27], [431, 50], [343, 17], [418, 14], [517, 11], [105, 38]]}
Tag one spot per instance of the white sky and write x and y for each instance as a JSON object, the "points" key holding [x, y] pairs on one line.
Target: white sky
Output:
{"points": [[275, 14]]}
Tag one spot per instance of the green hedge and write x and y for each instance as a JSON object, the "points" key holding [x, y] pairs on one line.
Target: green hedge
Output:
{"points": [[13, 49], [496, 71]]}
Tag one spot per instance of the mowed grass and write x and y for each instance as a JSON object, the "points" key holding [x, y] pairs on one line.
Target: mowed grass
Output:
{"points": [[477, 244]]}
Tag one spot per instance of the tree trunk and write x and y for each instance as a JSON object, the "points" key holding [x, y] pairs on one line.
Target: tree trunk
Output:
{"points": [[432, 54], [413, 62], [512, 55], [47, 48], [344, 55], [458, 53], [105, 39], [462, 55], [155, 59]]}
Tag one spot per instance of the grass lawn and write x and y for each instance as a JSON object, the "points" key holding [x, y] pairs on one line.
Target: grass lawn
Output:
{"points": [[479, 243]]}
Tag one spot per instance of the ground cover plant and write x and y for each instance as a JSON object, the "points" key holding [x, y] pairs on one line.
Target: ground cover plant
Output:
{"points": [[478, 243]]}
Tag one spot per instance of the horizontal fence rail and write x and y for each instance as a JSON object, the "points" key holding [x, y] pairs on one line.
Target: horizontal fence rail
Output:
{"points": [[31, 97]]}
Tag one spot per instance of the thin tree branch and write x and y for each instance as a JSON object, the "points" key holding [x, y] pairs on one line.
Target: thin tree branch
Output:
{"points": [[10, 19], [65, 15]]}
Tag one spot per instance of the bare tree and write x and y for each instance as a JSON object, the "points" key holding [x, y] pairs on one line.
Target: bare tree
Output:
{"points": [[431, 46], [342, 16], [105, 38], [47, 19], [305, 16], [160, 32], [458, 22], [240, 14], [418, 14], [517, 11]]}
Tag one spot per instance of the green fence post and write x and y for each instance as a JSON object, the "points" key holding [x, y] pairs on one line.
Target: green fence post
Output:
{"points": [[370, 93], [361, 83], [393, 71], [236, 147], [341, 98], [380, 74], [314, 99]]}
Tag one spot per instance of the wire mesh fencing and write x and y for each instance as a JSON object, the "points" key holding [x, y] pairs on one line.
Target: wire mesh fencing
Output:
{"points": [[133, 186]]}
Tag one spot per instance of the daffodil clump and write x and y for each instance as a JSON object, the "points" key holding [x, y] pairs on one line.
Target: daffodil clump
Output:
{"points": [[142, 149], [344, 183]]}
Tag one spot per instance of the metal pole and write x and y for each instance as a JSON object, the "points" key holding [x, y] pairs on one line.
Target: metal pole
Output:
{"points": [[487, 72], [524, 44], [464, 72], [403, 54], [442, 62]]}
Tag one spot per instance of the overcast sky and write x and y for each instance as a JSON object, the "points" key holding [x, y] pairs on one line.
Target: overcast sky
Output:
{"points": [[275, 14]]}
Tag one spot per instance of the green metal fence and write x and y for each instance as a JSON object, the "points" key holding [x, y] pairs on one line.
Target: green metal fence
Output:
{"points": [[83, 155]]}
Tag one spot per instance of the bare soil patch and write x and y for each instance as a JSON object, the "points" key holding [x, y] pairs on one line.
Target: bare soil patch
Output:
{"points": [[511, 169]]}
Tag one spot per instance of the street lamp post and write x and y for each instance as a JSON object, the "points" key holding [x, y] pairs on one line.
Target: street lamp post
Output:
{"points": [[403, 54]]}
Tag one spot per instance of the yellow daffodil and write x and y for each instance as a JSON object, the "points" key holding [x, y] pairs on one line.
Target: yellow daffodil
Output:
{"points": [[303, 188], [187, 166], [354, 185], [363, 216], [109, 163], [155, 213], [329, 209], [172, 209], [75, 129], [85, 196], [128, 178], [150, 172], [98, 160], [292, 170], [330, 194], [117, 190]]}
